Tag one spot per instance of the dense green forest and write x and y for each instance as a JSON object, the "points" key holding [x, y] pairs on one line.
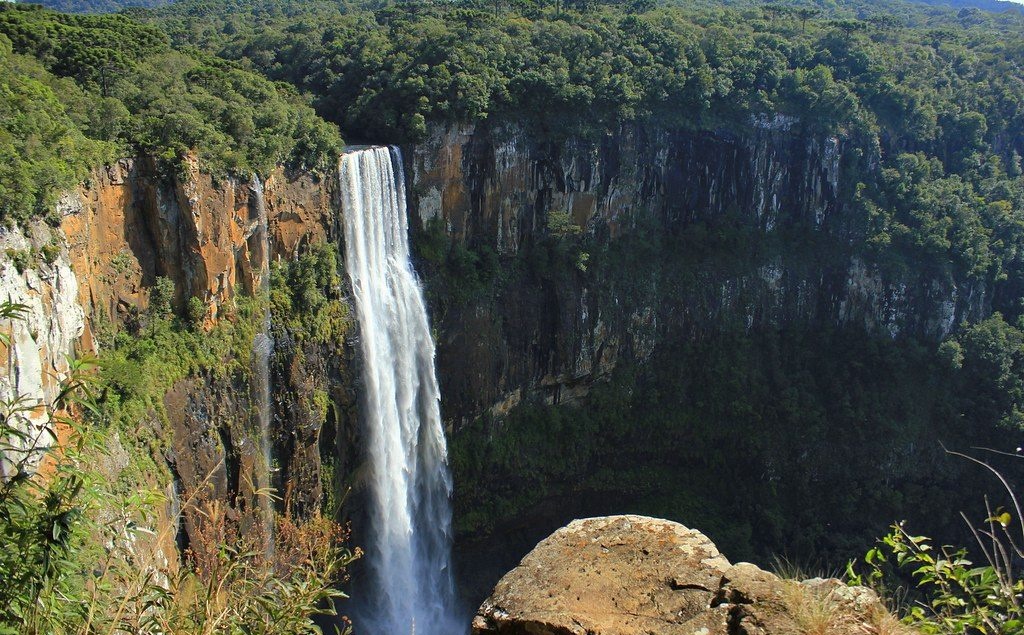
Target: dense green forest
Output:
{"points": [[98, 6], [81, 90], [382, 74], [109, 6]]}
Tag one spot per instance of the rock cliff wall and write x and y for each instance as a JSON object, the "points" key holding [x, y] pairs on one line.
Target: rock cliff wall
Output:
{"points": [[759, 228], [562, 262], [536, 332], [36, 273], [133, 223]]}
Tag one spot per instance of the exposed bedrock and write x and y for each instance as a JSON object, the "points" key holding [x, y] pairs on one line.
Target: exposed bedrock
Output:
{"points": [[639, 198], [134, 223], [634, 575], [579, 257]]}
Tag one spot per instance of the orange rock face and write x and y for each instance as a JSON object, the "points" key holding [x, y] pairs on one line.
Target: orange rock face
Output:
{"points": [[301, 211], [135, 224]]}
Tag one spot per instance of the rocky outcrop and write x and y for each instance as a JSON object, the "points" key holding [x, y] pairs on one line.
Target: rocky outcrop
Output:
{"points": [[315, 420], [633, 575]]}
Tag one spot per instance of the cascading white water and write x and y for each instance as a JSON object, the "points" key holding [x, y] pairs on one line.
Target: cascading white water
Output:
{"points": [[408, 546], [263, 348]]}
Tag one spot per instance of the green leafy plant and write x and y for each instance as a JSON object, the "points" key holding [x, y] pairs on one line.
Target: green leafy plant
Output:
{"points": [[44, 498], [945, 590]]}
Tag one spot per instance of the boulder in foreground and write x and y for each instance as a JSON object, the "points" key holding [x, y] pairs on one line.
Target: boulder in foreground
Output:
{"points": [[633, 575]]}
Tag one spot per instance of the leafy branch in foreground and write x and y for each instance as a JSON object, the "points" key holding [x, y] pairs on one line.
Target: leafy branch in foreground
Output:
{"points": [[42, 498], [943, 590]]}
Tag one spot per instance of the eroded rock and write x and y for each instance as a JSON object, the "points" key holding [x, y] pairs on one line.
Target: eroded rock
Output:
{"points": [[134, 223], [633, 575]]}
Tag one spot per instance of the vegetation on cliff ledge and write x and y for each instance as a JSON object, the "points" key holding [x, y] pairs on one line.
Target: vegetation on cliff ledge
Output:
{"points": [[82, 556]]}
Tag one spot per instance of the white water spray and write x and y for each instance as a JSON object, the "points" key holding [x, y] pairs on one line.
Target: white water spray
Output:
{"points": [[408, 546], [263, 348]]}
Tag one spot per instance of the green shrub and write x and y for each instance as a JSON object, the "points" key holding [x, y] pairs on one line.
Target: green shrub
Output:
{"points": [[305, 296], [19, 258], [196, 312], [944, 590], [161, 299], [949, 593]]}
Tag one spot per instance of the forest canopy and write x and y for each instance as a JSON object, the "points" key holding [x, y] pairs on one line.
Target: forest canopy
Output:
{"points": [[932, 98], [78, 91]]}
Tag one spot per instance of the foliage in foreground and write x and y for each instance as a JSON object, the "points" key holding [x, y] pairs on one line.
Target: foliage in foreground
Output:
{"points": [[941, 589], [231, 582], [81, 558]]}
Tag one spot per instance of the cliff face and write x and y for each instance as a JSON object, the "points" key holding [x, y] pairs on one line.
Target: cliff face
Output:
{"points": [[787, 201], [546, 335], [35, 272], [563, 263], [497, 184], [128, 226], [133, 224]]}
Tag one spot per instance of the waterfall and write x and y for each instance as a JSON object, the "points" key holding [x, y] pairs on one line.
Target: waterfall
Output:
{"points": [[408, 546], [263, 348]]}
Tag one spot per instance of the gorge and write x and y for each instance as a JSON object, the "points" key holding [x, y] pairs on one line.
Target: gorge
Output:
{"points": [[757, 270], [576, 331]]}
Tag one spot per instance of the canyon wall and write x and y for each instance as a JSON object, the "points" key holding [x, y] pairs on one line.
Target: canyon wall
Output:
{"points": [[36, 273], [529, 336], [548, 337], [549, 266], [134, 223], [684, 324]]}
